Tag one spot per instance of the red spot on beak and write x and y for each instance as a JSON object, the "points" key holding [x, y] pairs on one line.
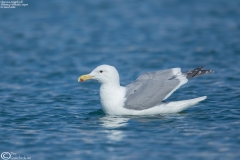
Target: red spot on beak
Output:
{"points": [[81, 80]]}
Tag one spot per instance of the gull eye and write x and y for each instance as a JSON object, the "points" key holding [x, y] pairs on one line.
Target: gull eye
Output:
{"points": [[101, 71]]}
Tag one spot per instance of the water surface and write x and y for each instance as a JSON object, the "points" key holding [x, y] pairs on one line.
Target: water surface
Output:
{"points": [[46, 46]]}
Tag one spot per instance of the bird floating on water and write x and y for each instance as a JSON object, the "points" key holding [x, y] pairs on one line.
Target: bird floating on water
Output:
{"points": [[146, 94]]}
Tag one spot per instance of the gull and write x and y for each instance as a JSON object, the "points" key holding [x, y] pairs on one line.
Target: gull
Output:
{"points": [[146, 95]]}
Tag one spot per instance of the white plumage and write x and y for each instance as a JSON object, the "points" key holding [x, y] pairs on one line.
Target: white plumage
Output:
{"points": [[142, 97]]}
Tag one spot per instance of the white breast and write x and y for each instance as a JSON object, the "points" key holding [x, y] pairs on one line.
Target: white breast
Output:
{"points": [[112, 98]]}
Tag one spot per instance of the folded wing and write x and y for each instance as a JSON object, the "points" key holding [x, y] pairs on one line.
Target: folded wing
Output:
{"points": [[151, 88]]}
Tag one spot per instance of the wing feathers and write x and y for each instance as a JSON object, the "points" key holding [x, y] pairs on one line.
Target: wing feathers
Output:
{"points": [[151, 88]]}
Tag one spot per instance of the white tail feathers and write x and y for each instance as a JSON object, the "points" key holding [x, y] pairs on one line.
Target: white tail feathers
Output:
{"points": [[178, 106]]}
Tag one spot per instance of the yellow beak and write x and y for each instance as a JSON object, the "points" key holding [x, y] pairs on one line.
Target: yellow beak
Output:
{"points": [[84, 77]]}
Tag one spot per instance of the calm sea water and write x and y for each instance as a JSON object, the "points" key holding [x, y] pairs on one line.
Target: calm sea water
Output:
{"points": [[46, 46]]}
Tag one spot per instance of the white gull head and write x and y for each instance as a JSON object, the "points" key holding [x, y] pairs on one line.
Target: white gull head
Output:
{"points": [[104, 74]]}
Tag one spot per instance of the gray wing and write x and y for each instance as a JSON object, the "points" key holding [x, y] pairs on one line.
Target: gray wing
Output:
{"points": [[151, 88]]}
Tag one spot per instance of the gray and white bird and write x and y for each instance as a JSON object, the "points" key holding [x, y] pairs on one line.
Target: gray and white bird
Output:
{"points": [[146, 94]]}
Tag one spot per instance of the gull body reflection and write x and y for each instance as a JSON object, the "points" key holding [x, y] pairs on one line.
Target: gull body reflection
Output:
{"points": [[112, 127]]}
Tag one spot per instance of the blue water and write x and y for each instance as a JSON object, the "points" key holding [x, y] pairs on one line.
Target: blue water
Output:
{"points": [[46, 46]]}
